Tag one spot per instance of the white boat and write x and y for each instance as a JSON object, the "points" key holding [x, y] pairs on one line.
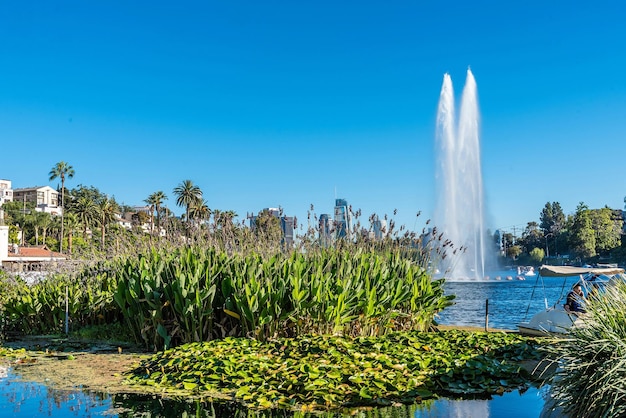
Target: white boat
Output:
{"points": [[554, 319], [525, 271]]}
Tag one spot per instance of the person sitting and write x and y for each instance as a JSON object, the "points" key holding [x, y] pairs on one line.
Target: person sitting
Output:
{"points": [[574, 301]]}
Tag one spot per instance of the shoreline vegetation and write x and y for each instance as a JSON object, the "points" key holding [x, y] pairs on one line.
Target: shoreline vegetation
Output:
{"points": [[307, 373], [324, 329], [334, 327]]}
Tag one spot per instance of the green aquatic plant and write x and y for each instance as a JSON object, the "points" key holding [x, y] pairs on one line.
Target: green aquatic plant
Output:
{"points": [[316, 372], [41, 307], [197, 294], [174, 295]]}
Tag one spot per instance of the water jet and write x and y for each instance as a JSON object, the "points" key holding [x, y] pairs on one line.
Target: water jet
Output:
{"points": [[460, 205]]}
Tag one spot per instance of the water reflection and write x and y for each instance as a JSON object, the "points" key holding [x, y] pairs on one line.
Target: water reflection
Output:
{"points": [[29, 399], [511, 405]]}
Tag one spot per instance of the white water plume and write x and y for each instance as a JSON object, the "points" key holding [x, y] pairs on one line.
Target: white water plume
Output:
{"points": [[460, 210]]}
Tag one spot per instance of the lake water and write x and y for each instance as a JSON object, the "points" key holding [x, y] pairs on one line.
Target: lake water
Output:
{"points": [[510, 302], [29, 399]]}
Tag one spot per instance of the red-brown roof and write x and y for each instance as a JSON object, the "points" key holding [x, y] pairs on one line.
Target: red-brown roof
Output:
{"points": [[40, 251]]}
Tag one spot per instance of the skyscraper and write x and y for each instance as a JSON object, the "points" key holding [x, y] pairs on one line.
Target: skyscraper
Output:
{"points": [[343, 219], [325, 227]]}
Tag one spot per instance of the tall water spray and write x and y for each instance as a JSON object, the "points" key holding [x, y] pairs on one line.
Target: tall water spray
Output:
{"points": [[460, 211]]}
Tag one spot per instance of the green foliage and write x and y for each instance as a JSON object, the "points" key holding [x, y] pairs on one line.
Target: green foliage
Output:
{"points": [[329, 372], [537, 255], [267, 227], [40, 307], [582, 235], [114, 332], [591, 361], [552, 218], [196, 294]]}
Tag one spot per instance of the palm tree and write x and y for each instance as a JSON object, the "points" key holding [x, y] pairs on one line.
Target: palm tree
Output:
{"points": [[155, 200], [86, 211], [62, 170], [39, 222], [188, 194], [224, 219], [107, 211], [200, 211], [72, 225], [45, 223]]}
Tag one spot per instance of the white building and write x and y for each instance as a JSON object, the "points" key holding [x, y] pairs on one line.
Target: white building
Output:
{"points": [[6, 193], [46, 198]]}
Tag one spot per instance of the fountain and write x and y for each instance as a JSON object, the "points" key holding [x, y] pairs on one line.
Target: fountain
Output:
{"points": [[460, 208]]}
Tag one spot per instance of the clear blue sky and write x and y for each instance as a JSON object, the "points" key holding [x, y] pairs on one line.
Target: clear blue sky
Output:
{"points": [[293, 103]]}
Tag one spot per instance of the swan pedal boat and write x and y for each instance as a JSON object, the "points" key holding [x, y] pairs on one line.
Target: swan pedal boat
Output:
{"points": [[555, 320]]}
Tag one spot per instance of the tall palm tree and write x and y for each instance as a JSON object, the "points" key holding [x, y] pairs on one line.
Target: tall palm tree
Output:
{"points": [[155, 200], [187, 195], [87, 212], [62, 170], [107, 211]]}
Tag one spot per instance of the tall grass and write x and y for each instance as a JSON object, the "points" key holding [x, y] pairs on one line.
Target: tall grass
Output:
{"points": [[590, 378]]}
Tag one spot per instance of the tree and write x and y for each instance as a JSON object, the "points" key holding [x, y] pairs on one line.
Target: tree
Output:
{"points": [[224, 219], [608, 227], [155, 200], [552, 223], [267, 227], [537, 255], [62, 170], [187, 195], [582, 235], [140, 218], [72, 224], [107, 213], [532, 237], [514, 251], [87, 212], [43, 221], [200, 210]]}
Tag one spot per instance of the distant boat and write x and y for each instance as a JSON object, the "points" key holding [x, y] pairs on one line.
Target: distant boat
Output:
{"points": [[526, 271], [555, 319]]}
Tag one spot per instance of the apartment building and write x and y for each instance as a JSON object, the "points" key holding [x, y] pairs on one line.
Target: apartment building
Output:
{"points": [[46, 198], [6, 193]]}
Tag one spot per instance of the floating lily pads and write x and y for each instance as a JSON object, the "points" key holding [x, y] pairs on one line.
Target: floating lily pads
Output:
{"points": [[329, 372]]}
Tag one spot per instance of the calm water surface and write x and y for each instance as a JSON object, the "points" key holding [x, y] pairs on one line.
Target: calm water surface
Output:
{"points": [[29, 399], [510, 301]]}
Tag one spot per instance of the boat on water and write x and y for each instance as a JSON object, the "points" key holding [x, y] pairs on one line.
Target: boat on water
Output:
{"points": [[525, 271], [555, 319]]}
